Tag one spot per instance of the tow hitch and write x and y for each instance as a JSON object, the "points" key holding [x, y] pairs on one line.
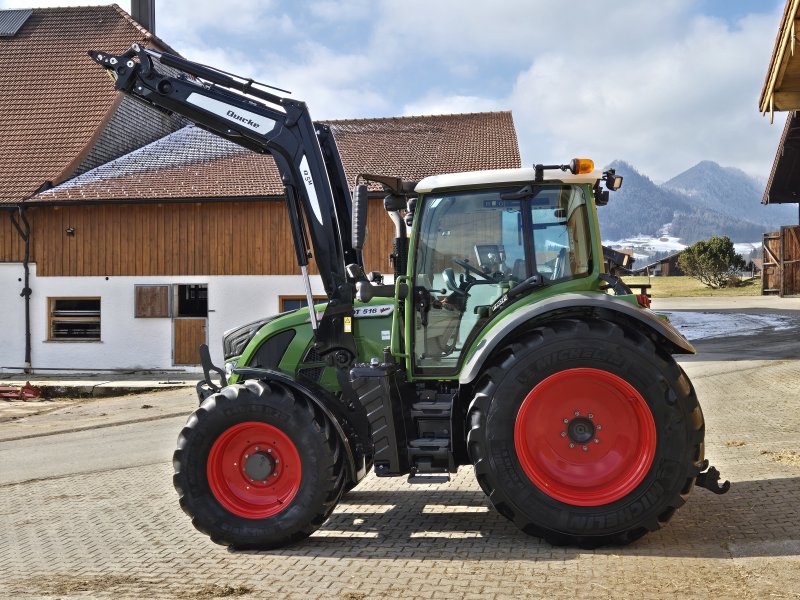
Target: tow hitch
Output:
{"points": [[710, 480]]}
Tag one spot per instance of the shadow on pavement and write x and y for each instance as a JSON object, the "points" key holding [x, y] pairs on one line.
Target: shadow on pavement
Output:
{"points": [[756, 518]]}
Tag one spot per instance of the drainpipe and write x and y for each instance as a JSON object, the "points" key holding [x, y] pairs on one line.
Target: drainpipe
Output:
{"points": [[23, 228]]}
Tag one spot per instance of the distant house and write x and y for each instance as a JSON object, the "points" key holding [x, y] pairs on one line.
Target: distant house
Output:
{"points": [[138, 261], [663, 267]]}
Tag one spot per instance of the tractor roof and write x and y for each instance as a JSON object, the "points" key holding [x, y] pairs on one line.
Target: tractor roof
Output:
{"points": [[501, 176]]}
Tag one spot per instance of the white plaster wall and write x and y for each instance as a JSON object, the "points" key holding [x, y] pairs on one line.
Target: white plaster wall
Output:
{"points": [[12, 315], [127, 342]]}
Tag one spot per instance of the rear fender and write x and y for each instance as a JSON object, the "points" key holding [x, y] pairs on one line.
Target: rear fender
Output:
{"points": [[576, 305], [349, 424]]}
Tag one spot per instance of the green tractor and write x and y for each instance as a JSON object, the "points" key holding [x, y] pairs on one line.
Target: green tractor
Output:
{"points": [[500, 343]]}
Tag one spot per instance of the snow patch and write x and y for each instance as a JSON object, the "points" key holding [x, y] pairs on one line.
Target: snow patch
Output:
{"points": [[704, 325], [644, 246]]}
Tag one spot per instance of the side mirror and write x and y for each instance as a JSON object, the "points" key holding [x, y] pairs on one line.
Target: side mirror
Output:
{"points": [[360, 203]]}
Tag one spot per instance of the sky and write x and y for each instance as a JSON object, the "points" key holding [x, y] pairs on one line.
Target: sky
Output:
{"points": [[661, 85]]}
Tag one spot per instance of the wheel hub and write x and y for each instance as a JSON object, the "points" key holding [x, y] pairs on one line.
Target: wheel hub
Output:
{"points": [[580, 430], [254, 470], [259, 466], [585, 437]]}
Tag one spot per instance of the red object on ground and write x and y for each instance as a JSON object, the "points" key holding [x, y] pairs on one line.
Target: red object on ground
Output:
{"points": [[585, 437], [26, 392]]}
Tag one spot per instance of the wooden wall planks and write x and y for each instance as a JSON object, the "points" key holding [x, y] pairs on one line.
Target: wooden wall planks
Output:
{"points": [[210, 238]]}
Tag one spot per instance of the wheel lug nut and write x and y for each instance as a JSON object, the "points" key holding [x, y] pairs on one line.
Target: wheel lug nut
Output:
{"points": [[577, 413], [247, 456], [599, 427], [571, 445], [563, 434], [566, 420], [269, 450], [585, 448], [590, 415], [596, 441], [256, 448]]}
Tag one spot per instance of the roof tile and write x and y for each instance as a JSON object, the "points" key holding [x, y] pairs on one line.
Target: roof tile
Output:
{"points": [[52, 97], [194, 164]]}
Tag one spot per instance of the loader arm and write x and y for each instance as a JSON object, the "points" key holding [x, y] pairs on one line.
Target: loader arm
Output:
{"points": [[318, 198]]}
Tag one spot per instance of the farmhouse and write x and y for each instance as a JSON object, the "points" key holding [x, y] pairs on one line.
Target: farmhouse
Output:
{"points": [[130, 237], [137, 262]]}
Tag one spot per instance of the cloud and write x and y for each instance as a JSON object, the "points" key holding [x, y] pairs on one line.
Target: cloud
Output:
{"points": [[435, 104], [662, 107], [662, 88]]}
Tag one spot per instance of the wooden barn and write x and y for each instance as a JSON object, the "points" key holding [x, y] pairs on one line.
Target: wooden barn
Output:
{"points": [[781, 92], [135, 263], [130, 237]]}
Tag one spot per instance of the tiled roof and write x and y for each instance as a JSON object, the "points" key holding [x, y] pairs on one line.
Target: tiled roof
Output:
{"points": [[53, 99], [194, 164]]}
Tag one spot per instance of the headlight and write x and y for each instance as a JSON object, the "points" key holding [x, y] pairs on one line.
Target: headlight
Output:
{"points": [[235, 340]]}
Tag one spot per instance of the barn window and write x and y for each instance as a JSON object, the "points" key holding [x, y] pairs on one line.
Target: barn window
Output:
{"points": [[151, 301], [191, 300], [296, 302], [74, 319]]}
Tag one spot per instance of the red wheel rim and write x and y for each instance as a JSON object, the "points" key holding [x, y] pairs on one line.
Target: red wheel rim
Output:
{"points": [[585, 437], [254, 470]]}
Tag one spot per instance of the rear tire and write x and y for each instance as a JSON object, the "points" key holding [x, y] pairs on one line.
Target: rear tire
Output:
{"points": [[584, 433], [258, 466]]}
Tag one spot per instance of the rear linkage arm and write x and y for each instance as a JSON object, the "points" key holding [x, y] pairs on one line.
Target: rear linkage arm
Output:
{"points": [[306, 155]]}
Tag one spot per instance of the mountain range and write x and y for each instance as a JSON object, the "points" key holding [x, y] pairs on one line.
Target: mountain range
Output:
{"points": [[705, 200]]}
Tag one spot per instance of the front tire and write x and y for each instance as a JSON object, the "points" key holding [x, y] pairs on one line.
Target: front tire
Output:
{"points": [[584, 433], [258, 466]]}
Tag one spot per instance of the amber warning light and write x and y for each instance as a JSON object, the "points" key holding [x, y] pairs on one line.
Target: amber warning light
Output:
{"points": [[577, 166], [581, 166]]}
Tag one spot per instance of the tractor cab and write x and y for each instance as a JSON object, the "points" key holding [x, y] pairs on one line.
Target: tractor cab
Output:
{"points": [[474, 246], [480, 243]]}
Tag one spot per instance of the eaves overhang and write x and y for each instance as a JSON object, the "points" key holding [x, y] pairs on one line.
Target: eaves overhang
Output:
{"points": [[781, 90], [783, 185]]}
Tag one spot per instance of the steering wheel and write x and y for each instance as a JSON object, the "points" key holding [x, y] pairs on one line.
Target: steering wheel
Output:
{"points": [[471, 269]]}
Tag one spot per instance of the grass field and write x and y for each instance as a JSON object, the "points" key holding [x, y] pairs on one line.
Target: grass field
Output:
{"points": [[670, 287]]}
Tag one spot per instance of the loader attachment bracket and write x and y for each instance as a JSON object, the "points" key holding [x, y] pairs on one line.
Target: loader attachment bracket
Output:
{"points": [[208, 386]]}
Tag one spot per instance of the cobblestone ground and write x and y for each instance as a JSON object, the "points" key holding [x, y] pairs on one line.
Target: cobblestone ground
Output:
{"points": [[120, 533]]}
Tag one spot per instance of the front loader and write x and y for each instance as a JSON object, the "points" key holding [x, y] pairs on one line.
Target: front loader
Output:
{"points": [[499, 343]]}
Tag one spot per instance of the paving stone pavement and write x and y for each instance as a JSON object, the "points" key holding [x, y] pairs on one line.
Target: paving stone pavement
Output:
{"points": [[119, 533]]}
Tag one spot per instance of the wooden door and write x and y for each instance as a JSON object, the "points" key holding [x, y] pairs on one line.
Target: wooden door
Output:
{"points": [[188, 335], [791, 261]]}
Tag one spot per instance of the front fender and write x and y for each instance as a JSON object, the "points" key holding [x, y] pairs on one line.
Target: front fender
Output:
{"points": [[579, 304]]}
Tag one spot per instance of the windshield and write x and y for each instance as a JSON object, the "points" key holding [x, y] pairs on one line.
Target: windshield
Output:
{"points": [[474, 246]]}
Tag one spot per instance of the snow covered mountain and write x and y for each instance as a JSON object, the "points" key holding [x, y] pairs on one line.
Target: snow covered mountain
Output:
{"points": [[704, 200]]}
